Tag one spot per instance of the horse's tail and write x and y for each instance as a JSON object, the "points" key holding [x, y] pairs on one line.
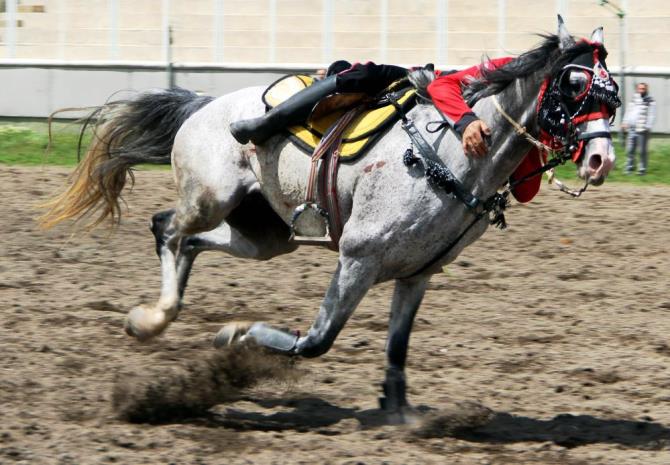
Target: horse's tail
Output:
{"points": [[126, 133]]}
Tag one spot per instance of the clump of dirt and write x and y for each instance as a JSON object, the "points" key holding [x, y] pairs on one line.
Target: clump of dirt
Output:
{"points": [[162, 395], [462, 416]]}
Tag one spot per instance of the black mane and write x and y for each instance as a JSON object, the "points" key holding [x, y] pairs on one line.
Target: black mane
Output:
{"points": [[546, 56]]}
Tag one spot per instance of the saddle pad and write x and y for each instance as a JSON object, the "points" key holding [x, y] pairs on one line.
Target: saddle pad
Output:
{"points": [[361, 134]]}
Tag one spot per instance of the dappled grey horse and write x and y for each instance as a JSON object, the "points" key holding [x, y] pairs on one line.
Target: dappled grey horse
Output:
{"points": [[398, 224]]}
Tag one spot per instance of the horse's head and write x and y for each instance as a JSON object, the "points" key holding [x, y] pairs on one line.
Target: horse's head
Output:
{"points": [[578, 100]]}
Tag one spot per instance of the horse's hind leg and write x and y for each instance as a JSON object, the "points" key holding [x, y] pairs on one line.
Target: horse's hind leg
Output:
{"points": [[407, 298], [184, 261], [194, 215], [255, 239], [144, 322], [225, 238]]}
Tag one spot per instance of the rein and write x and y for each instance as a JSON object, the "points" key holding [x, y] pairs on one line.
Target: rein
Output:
{"points": [[441, 176], [438, 174], [556, 122], [558, 157]]}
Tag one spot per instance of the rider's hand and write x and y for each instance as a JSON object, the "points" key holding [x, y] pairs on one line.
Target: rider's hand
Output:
{"points": [[474, 143]]}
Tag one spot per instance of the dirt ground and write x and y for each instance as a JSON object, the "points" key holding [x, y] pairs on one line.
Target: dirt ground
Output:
{"points": [[559, 325]]}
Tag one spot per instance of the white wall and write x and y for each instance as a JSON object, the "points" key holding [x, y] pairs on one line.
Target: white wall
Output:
{"points": [[38, 89]]}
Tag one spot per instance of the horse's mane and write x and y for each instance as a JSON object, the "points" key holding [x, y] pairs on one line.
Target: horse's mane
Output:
{"points": [[546, 56]]}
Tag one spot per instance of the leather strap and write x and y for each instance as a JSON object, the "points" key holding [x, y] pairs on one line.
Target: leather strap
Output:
{"points": [[593, 135]]}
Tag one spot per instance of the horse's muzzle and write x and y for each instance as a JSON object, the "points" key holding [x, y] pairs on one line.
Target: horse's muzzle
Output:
{"points": [[598, 160]]}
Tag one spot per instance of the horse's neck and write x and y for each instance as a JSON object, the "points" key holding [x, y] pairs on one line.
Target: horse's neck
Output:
{"points": [[507, 149]]}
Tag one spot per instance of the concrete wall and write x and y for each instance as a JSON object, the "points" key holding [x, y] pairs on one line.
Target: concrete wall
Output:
{"points": [[38, 89]]}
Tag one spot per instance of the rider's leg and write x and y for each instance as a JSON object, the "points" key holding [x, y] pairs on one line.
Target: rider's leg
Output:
{"points": [[293, 111], [631, 142], [643, 139]]}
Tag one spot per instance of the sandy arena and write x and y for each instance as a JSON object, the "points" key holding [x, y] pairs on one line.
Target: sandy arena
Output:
{"points": [[559, 325]]}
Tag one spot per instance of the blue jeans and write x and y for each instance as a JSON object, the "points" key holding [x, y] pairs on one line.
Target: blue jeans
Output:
{"points": [[633, 141]]}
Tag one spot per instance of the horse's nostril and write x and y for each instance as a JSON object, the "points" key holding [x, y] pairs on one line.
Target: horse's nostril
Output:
{"points": [[595, 162]]}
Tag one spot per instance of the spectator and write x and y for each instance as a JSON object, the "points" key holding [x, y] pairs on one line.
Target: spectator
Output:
{"points": [[638, 120], [335, 68]]}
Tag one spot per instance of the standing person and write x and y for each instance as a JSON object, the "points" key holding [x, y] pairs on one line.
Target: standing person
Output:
{"points": [[638, 120]]}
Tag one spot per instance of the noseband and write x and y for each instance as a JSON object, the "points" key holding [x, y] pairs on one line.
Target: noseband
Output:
{"points": [[584, 91]]}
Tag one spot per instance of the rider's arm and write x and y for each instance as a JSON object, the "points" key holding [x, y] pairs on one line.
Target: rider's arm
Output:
{"points": [[447, 93]]}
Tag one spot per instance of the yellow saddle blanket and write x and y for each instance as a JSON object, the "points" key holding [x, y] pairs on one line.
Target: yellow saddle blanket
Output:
{"points": [[361, 134]]}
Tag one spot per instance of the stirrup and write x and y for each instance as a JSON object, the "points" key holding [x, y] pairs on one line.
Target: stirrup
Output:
{"points": [[309, 240]]}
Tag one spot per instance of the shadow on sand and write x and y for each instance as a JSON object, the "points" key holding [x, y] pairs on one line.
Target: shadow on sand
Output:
{"points": [[318, 415]]}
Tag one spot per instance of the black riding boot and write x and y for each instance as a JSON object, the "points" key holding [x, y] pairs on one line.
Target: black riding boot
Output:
{"points": [[293, 111]]}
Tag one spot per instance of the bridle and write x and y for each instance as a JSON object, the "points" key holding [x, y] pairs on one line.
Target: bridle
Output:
{"points": [[558, 157], [560, 139], [579, 94]]}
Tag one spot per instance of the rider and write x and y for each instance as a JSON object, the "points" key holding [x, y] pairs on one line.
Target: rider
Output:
{"points": [[341, 76], [370, 78]]}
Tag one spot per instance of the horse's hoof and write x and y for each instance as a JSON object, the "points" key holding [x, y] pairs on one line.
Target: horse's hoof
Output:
{"points": [[231, 333], [403, 416], [399, 415], [144, 323]]}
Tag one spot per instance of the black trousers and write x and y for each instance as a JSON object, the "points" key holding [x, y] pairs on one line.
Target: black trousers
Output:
{"points": [[369, 78]]}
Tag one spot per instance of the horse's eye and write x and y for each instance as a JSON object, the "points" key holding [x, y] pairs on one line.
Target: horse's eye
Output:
{"points": [[574, 83]]}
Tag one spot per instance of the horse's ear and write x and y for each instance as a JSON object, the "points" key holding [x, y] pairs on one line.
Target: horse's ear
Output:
{"points": [[564, 37], [598, 36]]}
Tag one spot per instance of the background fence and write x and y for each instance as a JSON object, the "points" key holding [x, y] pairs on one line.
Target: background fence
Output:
{"points": [[78, 52], [452, 32]]}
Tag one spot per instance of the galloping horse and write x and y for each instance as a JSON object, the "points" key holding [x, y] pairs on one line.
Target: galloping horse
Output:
{"points": [[397, 224]]}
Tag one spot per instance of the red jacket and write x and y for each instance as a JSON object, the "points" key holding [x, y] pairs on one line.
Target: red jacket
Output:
{"points": [[446, 92]]}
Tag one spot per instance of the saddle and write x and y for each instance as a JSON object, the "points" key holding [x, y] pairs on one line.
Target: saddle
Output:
{"points": [[360, 134]]}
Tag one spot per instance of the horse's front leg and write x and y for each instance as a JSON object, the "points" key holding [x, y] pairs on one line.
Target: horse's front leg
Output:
{"points": [[407, 298], [348, 286], [352, 279]]}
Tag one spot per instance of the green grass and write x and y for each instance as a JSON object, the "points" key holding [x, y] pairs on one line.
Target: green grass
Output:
{"points": [[25, 143], [658, 171]]}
